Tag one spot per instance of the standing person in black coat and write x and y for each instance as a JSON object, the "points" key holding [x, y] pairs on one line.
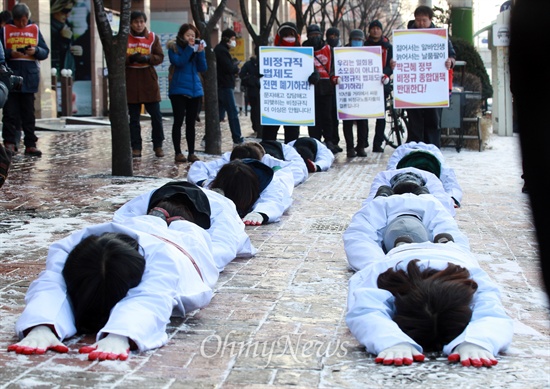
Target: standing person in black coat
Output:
{"points": [[376, 38], [250, 79], [227, 70], [324, 88]]}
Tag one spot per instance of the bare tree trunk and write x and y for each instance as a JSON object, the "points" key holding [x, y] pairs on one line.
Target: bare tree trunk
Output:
{"points": [[114, 47], [211, 106]]}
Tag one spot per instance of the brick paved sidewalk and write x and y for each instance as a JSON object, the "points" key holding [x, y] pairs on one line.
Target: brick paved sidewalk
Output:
{"points": [[277, 319]]}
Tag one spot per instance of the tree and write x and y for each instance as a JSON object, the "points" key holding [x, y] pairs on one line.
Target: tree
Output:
{"points": [[261, 38], [114, 47], [213, 137]]}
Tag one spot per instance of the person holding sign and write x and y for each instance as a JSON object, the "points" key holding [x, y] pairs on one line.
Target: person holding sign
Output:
{"points": [[356, 39], [287, 36], [376, 38], [324, 89], [424, 122]]}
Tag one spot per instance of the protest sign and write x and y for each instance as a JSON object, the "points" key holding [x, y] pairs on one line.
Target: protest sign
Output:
{"points": [[420, 79], [286, 97], [359, 94]]}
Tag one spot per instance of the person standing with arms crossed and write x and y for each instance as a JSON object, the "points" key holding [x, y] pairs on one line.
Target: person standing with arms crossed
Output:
{"points": [[22, 57], [144, 52]]}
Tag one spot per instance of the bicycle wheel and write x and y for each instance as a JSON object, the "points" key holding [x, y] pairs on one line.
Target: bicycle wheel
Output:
{"points": [[396, 127]]}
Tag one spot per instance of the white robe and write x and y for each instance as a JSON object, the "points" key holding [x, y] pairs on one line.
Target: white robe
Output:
{"points": [[447, 176], [227, 230], [324, 158], [433, 184], [370, 309], [364, 236], [203, 173], [276, 198], [170, 283]]}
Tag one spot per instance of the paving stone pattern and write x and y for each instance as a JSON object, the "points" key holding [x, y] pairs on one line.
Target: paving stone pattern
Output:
{"points": [[277, 319]]}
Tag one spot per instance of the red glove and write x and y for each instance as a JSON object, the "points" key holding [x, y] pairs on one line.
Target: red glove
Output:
{"points": [[470, 354], [39, 340], [400, 354], [111, 347]]}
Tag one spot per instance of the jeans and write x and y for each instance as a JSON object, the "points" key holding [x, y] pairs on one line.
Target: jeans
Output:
{"points": [[226, 99], [135, 128]]}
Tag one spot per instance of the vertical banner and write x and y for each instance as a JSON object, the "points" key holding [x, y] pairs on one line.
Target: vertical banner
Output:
{"points": [[420, 79], [286, 97], [359, 93]]}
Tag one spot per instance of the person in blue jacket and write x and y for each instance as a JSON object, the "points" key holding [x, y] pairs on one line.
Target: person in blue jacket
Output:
{"points": [[187, 59], [23, 58]]}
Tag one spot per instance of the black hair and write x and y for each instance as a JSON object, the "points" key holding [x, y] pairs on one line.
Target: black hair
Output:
{"points": [[99, 272], [432, 306], [175, 205], [252, 150], [306, 153], [239, 183], [138, 14], [20, 10], [424, 10]]}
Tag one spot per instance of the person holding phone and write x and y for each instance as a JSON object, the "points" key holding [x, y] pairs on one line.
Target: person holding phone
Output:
{"points": [[187, 60]]}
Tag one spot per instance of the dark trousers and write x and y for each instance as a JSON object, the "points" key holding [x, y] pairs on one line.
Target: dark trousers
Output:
{"points": [[362, 133], [157, 133], [291, 133], [424, 125], [188, 108], [226, 100], [379, 130], [18, 113], [323, 119], [255, 114], [335, 122]]}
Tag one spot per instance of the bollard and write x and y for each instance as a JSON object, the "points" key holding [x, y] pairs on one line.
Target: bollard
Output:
{"points": [[54, 89], [66, 92]]}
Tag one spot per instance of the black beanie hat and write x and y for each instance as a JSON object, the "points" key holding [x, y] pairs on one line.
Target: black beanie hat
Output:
{"points": [[190, 195], [313, 28], [375, 23], [228, 33], [288, 25], [333, 31]]}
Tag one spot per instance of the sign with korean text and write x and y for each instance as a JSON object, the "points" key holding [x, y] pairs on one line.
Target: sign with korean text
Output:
{"points": [[286, 97], [420, 79], [359, 93]]}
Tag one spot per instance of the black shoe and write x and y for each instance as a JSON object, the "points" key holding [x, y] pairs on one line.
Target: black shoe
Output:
{"points": [[338, 148], [443, 238], [361, 151], [33, 151], [331, 147], [377, 149], [402, 240], [524, 189], [351, 153]]}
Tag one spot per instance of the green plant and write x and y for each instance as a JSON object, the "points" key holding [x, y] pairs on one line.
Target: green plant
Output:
{"points": [[465, 51]]}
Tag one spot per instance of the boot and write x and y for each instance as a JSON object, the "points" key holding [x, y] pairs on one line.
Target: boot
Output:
{"points": [[351, 152], [361, 151]]}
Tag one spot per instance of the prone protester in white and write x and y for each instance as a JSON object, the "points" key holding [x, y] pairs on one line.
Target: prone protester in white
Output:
{"points": [[447, 174], [203, 173], [225, 227], [432, 183], [372, 310], [178, 277], [283, 152], [365, 233], [321, 160], [263, 204]]}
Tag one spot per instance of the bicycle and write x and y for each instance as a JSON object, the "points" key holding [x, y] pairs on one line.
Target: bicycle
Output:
{"points": [[396, 124]]}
